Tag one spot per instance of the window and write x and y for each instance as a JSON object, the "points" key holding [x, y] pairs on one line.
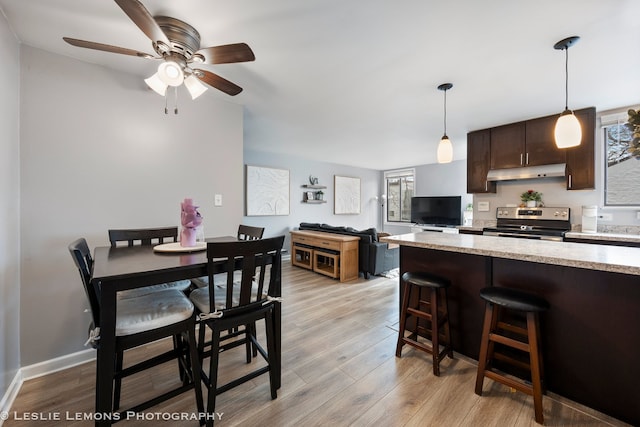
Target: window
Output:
{"points": [[622, 165], [399, 188]]}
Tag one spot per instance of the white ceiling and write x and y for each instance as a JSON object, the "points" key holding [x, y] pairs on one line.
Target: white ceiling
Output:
{"points": [[355, 82]]}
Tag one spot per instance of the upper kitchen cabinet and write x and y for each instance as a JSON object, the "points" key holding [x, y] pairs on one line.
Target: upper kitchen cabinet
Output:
{"points": [[529, 143], [478, 149], [541, 146], [581, 159], [508, 146]]}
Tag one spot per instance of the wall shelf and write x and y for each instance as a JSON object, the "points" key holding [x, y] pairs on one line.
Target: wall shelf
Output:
{"points": [[311, 197]]}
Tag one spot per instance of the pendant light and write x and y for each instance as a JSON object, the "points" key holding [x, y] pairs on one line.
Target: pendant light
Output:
{"points": [[445, 149], [567, 132]]}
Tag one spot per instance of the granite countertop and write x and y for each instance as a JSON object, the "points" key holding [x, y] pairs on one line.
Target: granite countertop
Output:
{"points": [[614, 237], [617, 259]]}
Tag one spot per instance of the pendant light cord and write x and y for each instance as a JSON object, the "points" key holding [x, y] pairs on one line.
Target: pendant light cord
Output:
{"points": [[445, 112], [566, 79]]}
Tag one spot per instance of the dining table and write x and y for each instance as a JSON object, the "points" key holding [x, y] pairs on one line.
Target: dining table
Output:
{"points": [[117, 269]]}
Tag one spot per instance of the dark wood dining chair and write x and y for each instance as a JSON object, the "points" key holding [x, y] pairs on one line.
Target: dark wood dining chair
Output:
{"points": [[147, 236], [245, 232], [239, 307], [248, 232], [141, 320]]}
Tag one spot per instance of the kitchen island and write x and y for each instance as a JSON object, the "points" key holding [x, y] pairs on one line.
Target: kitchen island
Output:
{"points": [[591, 334]]}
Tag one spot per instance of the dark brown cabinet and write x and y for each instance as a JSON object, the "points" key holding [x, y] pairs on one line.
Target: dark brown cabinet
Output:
{"points": [[508, 146], [529, 143], [541, 146], [581, 159], [478, 152]]}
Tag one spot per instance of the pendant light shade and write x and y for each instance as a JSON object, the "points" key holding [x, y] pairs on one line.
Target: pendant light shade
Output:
{"points": [[445, 148], [568, 132]]}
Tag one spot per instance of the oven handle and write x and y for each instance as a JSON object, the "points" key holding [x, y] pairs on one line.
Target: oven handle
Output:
{"points": [[522, 236]]}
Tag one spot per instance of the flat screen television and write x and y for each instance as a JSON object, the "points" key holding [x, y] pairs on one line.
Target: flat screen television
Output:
{"points": [[441, 211]]}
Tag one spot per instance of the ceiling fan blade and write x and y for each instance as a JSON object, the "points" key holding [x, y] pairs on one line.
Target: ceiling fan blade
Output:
{"points": [[218, 82], [143, 19], [106, 47], [226, 54]]}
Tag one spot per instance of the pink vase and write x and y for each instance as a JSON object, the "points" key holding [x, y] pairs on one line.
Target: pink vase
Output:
{"points": [[188, 237]]}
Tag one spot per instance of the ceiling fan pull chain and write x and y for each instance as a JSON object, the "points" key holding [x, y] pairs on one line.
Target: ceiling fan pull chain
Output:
{"points": [[175, 111], [166, 110]]}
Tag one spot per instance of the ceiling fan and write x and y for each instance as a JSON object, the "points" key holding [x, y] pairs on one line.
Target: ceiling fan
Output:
{"points": [[178, 45]]}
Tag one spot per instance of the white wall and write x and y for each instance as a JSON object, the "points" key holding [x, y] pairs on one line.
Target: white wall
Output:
{"points": [[9, 206], [98, 152]]}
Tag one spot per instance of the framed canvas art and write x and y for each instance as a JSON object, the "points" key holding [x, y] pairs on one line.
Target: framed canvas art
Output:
{"points": [[347, 195], [267, 191]]}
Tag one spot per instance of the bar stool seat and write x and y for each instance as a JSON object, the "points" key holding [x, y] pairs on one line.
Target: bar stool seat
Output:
{"points": [[526, 339], [434, 315]]}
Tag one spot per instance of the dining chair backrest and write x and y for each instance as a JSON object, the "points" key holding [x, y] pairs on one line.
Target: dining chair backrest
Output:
{"points": [[82, 258], [143, 236], [258, 261], [248, 232]]}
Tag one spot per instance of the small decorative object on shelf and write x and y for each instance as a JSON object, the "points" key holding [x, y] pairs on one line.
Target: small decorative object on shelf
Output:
{"points": [[634, 126], [319, 195], [531, 198], [313, 180], [191, 220]]}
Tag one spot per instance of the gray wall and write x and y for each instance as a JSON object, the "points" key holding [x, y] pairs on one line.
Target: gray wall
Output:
{"points": [[299, 171], [98, 152], [9, 206]]}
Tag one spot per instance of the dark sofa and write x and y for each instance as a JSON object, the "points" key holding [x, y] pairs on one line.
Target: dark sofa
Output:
{"points": [[374, 256]]}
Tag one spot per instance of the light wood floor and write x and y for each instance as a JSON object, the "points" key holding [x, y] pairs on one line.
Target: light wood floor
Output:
{"points": [[339, 369]]}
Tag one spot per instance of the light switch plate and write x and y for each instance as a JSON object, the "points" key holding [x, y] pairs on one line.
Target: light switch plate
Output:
{"points": [[217, 200], [483, 206]]}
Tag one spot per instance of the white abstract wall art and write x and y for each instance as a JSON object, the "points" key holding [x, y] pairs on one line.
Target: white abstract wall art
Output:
{"points": [[347, 195], [267, 191]]}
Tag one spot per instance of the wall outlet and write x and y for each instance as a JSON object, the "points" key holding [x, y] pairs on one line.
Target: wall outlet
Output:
{"points": [[217, 200], [605, 217]]}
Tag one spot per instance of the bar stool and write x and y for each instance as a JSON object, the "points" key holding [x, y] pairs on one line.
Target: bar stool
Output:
{"points": [[436, 312], [495, 330]]}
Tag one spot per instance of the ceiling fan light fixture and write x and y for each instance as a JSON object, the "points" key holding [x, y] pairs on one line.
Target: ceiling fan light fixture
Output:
{"points": [[170, 73], [155, 83], [194, 86], [567, 132]]}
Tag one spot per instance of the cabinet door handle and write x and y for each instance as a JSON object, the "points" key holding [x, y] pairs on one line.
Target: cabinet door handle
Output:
{"points": [[521, 159], [486, 186], [527, 161], [569, 180]]}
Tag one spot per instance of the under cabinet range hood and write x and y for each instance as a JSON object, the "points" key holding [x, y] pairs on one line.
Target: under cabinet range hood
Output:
{"points": [[529, 172]]}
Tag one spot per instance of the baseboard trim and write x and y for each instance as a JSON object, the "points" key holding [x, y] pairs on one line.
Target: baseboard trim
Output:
{"points": [[58, 364], [39, 369], [11, 394]]}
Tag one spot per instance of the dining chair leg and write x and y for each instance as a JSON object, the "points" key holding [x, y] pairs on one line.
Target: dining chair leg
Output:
{"points": [[117, 386], [179, 346], [213, 376], [271, 351], [195, 368], [248, 333]]}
